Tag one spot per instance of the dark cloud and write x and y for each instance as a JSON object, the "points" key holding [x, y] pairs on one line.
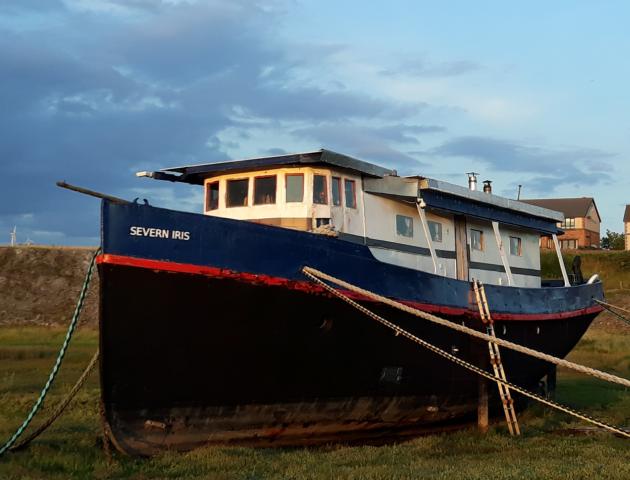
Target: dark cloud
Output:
{"points": [[98, 94], [552, 167], [371, 143]]}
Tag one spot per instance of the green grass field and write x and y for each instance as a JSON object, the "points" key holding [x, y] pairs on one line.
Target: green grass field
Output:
{"points": [[71, 448]]}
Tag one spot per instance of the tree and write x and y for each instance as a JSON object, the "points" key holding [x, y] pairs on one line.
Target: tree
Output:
{"points": [[613, 241]]}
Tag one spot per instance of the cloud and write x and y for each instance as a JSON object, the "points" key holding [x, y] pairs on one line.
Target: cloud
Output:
{"points": [[423, 68], [552, 167], [111, 87], [371, 143]]}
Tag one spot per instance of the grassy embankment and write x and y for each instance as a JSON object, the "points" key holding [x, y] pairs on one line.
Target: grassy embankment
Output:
{"points": [[71, 447]]}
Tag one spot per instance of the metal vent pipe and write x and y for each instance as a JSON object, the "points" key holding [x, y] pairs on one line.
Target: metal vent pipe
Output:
{"points": [[487, 186], [472, 180]]}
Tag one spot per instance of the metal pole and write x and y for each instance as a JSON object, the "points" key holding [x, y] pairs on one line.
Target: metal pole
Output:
{"points": [[92, 193]]}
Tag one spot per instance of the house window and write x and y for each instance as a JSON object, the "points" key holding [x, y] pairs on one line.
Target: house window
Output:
{"points": [[336, 191], [212, 196], [435, 229], [404, 226], [350, 193], [515, 246], [237, 192], [568, 244], [476, 240], [265, 190], [320, 192], [295, 187], [568, 223]]}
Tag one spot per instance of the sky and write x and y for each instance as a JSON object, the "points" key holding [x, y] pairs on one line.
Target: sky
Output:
{"points": [[92, 91]]}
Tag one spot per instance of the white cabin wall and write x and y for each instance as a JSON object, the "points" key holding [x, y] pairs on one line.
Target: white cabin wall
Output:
{"points": [[491, 257], [381, 226]]}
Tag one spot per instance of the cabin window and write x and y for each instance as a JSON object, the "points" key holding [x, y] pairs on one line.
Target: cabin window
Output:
{"points": [[404, 226], [350, 193], [515, 246], [265, 190], [212, 196], [320, 191], [435, 229], [336, 191], [237, 192], [295, 187], [476, 240]]}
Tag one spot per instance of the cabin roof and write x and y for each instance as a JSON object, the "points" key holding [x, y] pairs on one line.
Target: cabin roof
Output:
{"points": [[196, 174], [463, 201], [626, 214]]}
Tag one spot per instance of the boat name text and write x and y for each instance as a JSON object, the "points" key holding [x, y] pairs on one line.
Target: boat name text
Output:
{"points": [[158, 233]]}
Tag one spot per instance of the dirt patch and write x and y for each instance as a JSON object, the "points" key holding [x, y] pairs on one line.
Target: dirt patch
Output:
{"points": [[40, 285], [609, 322]]}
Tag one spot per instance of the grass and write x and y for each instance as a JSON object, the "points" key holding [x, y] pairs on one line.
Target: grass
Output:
{"points": [[71, 448], [613, 267]]}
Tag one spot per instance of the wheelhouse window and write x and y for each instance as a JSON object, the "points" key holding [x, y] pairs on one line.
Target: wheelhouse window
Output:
{"points": [[476, 240], [265, 190], [515, 246], [336, 191], [435, 229], [295, 187], [320, 190], [237, 192], [212, 196], [350, 193], [404, 226]]}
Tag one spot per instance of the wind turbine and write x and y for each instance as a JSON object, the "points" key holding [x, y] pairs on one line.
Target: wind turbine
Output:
{"points": [[14, 236]]}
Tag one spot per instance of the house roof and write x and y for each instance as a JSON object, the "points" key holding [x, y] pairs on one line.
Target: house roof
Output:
{"points": [[626, 214], [196, 174], [571, 207]]}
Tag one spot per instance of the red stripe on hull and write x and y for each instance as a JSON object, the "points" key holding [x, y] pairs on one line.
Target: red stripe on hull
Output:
{"points": [[306, 286]]}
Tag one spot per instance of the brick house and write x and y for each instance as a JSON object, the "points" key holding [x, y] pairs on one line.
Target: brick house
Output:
{"points": [[626, 226], [581, 222]]}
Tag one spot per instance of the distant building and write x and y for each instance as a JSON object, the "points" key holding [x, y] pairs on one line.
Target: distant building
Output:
{"points": [[581, 222], [626, 226]]}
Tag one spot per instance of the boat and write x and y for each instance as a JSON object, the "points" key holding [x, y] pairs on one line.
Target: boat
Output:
{"points": [[210, 332]]}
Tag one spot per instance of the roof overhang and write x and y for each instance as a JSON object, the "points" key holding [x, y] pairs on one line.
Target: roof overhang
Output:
{"points": [[196, 174]]}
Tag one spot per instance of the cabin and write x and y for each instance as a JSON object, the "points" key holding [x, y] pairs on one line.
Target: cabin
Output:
{"points": [[581, 222], [414, 222]]}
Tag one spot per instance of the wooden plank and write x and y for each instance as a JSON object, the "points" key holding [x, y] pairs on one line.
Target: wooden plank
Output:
{"points": [[461, 247], [482, 406]]}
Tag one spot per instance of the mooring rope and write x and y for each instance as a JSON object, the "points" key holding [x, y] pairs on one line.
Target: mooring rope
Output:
{"points": [[610, 307], [474, 333], [399, 331], [59, 409], [60, 357]]}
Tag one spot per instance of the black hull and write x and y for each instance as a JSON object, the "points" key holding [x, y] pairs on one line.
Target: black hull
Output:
{"points": [[189, 360]]}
